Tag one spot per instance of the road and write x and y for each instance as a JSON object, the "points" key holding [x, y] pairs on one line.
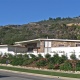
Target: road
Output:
{"points": [[4, 75]]}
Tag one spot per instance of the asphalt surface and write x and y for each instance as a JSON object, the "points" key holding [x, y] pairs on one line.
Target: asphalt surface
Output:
{"points": [[4, 75], [15, 75]]}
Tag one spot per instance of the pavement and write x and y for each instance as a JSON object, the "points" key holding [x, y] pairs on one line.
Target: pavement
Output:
{"points": [[6, 75], [40, 75]]}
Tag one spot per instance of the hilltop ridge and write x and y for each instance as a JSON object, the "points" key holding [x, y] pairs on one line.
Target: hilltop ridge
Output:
{"points": [[59, 28]]}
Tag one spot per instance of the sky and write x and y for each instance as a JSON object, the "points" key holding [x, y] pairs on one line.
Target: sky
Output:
{"points": [[14, 12]]}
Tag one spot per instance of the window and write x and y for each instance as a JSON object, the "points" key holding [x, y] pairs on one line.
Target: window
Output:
{"points": [[61, 45], [30, 49], [77, 44], [47, 43]]}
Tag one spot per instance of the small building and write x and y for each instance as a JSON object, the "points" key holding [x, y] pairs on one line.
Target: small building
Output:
{"points": [[12, 49], [52, 46]]}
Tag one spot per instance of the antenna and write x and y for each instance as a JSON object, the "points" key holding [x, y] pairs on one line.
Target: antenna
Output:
{"points": [[47, 37]]}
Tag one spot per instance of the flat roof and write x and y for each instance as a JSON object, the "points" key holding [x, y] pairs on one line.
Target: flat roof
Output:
{"points": [[8, 45], [40, 39], [3, 45]]}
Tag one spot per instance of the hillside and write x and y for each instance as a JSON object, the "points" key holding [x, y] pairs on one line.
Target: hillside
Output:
{"points": [[62, 28]]}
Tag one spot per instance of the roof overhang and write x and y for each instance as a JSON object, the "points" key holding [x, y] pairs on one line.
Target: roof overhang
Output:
{"points": [[28, 41], [40, 39]]}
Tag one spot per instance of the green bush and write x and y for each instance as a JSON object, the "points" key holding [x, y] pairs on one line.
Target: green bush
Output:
{"points": [[73, 57], [40, 56], [78, 66], [51, 60], [17, 61], [57, 59], [56, 66], [50, 66], [26, 57], [42, 62], [78, 63], [63, 58], [77, 69], [66, 66], [3, 60], [33, 57], [47, 56], [27, 62]]}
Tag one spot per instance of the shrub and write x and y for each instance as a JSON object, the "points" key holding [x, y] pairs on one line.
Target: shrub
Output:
{"points": [[17, 61], [27, 62], [3, 60], [57, 59], [42, 62], [51, 60], [32, 55], [73, 57], [66, 66], [78, 66], [26, 57], [47, 56], [34, 58], [73, 62], [56, 66], [10, 57], [50, 66], [40, 56], [64, 58]]}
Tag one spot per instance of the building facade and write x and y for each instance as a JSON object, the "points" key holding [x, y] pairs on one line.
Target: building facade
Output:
{"points": [[52, 46], [12, 49], [44, 46]]}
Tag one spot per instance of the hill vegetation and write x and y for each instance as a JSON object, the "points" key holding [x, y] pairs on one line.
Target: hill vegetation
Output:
{"points": [[62, 28]]}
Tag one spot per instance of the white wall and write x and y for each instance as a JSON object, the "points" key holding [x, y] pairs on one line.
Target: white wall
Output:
{"points": [[12, 49], [60, 50], [66, 51], [3, 49]]}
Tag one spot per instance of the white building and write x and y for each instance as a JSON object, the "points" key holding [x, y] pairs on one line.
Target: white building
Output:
{"points": [[12, 49], [44, 46], [52, 46]]}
